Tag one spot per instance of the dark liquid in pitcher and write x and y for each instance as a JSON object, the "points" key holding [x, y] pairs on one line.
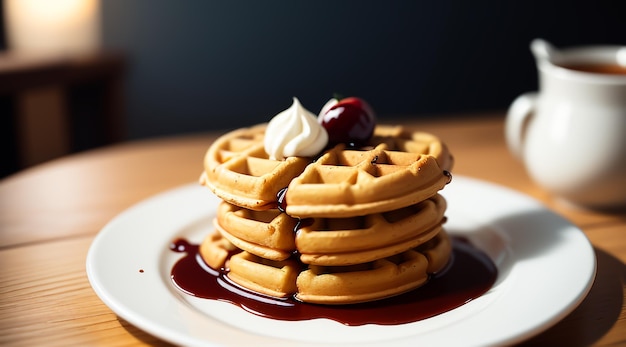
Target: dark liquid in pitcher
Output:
{"points": [[608, 69]]}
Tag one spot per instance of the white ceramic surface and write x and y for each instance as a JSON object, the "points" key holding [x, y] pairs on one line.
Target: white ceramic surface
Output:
{"points": [[571, 134], [546, 267]]}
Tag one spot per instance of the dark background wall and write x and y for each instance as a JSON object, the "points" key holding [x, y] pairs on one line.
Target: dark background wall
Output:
{"points": [[202, 65]]}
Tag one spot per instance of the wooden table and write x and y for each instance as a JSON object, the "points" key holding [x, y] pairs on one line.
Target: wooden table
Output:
{"points": [[50, 214]]}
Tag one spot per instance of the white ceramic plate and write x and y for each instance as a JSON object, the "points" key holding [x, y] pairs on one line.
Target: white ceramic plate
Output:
{"points": [[546, 267]]}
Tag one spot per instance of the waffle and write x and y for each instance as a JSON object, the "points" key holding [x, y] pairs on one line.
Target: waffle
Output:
{"points": [[345, 183], [268, 234], [401, 166], [215, 250], [238, 170], [273, 278], [369, 281], [401, 139], [330, 241], [355, 240], [374, 280]]}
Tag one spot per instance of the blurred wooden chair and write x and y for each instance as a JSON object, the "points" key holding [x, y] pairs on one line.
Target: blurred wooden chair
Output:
{"points": [[52, 106]]}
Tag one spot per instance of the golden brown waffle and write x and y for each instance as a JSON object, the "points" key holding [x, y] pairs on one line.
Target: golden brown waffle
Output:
{"points": [[346, 183], [238, 170], [355, 240], [216, 250], [399, 138], [274, 278], [268, 234], [401, 166], [438, 251], [331, 241], [374, 280], [333, 284]]}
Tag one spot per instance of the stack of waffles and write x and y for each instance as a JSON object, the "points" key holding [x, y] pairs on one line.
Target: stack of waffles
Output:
{"points": [[352, 225]]}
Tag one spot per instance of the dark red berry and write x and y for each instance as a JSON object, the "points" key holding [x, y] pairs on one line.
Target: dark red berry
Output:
{"points": [[350, 120]]}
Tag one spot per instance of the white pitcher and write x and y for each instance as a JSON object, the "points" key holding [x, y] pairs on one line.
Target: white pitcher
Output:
{"points": [[571, 134]]}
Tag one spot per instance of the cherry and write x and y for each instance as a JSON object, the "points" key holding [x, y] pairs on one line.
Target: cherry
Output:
{"points": [[350, 120]]}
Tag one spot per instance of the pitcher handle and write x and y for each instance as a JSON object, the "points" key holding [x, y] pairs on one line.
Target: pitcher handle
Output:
{"points": [[516, 120]]}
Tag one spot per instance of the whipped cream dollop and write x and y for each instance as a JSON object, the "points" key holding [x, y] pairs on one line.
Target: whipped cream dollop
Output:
{"points": [[295, 132]]}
